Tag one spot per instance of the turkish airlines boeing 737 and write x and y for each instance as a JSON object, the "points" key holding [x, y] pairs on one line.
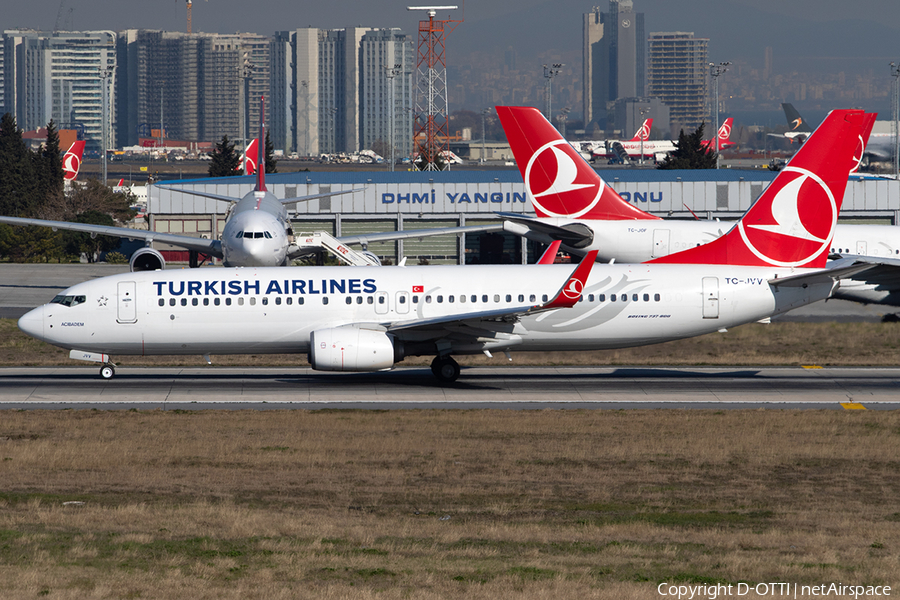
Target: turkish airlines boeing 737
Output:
{"points": [[361, 319], [574, 204]]}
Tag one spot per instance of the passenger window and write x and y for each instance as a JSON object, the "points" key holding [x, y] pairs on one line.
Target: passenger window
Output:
{"points": [[509, 297], [278, 300], [288, 300], [227, 301], [162, 302], [194, 302], [402, 299], [484, 297], [324, 299], [184, 301], [450, 298], [612, 297], [590, 297], [370, 300], [634, 297], [427, 299], [624, 298], [440, 299], [240, 301], [532, 298], [206, 302], [521, 297], [544, 298], [415, 299], [496, 297], [646, 297], [217, 301], [349, 300], [381, 299], [301, 300], [359, 299], [462, 298], [656, 297], [474, 298], [253, 301]]}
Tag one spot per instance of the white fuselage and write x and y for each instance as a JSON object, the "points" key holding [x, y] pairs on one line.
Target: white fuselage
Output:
{"points": [[269, 310], [256, 232]]}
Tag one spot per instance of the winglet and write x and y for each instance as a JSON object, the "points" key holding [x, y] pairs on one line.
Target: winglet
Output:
{"points": [[792, 223], [549, 254], [559, 182], [71, 161], [261, 155], [570, 293]]}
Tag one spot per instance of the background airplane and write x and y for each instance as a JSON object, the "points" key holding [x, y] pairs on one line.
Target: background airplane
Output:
{"points": [[657, 149], [71, 161], [574, 204], [353, 319]]}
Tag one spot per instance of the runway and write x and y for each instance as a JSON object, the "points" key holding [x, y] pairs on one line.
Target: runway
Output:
{"points": [[520, 388]]}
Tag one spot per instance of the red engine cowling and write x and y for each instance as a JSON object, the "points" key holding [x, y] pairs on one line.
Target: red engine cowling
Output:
{"points": [[351, 348], [147, 259]]}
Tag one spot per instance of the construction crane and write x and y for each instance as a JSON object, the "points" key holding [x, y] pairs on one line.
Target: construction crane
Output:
{"points": [[189, 3]]}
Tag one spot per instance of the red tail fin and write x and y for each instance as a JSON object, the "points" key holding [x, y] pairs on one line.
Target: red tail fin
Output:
{"points": [[250, 157], [643, 131], [549, 254], [558, 180], [71, 161], [792, 223]]}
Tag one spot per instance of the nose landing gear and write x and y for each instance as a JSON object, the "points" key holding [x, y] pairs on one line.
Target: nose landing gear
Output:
{"points": [[107, 371]]}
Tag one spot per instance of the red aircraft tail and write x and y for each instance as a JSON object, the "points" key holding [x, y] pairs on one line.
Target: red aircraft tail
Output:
{"points": [[558, 180], [71, 161], [793, 221], [643, 131]]}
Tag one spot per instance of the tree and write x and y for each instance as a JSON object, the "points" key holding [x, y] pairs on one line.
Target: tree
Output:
{"points": [[77, 242], [48, 165], [689, 153], [92, 196], [18, 191], [225, 161], [271, 163]]}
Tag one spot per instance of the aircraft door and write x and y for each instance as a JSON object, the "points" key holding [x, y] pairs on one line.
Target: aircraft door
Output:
{"points": [[710, 297], [861, 247], [127, 302], [381, 303], [402, 303], [660, 242]]}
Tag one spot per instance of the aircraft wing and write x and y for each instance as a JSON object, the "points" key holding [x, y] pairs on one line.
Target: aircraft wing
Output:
{"points": [[322, 195], [201, 194], [234, 199], [211, 247]]}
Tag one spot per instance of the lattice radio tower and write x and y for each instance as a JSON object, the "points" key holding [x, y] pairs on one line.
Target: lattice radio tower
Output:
{"points": [[431, 128]]}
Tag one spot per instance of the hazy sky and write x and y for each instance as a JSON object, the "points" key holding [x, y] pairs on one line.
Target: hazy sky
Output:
{"points": [[830, 31]]}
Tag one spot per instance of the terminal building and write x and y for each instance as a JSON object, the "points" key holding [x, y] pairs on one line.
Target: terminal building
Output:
{"points": [[416, 200]]}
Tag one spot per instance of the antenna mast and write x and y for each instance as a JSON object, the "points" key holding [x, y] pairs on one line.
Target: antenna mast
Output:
{"points": [[432, 115]]}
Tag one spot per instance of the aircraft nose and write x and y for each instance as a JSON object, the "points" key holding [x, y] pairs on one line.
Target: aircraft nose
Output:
{"points": [[32, 323]]}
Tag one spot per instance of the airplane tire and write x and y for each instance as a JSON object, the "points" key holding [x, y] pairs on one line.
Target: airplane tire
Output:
{"points": [[445, 369], [107, 371]]}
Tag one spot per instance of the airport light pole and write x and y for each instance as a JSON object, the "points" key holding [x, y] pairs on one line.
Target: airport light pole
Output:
{"points": [[551, 71], [484, 114], [390, 73], [895, 118], [714, 71], [643, 112], [105, 73], [561, 118]]}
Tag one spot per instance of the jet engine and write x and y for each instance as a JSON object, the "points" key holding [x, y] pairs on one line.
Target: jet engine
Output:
{"points": [[147, 259], [352, 348]]}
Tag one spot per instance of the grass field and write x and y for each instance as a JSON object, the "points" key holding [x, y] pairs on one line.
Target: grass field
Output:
{"points": [[443, 504], [455, 504]]}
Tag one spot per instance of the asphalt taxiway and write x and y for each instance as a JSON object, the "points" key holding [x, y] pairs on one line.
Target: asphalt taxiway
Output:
{"points": [[478, 387]]}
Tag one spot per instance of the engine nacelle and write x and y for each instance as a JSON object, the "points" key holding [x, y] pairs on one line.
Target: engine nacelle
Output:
{"points": [[351, 348], [147, 259]]}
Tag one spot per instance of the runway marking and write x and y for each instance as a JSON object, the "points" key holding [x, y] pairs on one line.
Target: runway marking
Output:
{"points": [[811, 366], [853, 406]]}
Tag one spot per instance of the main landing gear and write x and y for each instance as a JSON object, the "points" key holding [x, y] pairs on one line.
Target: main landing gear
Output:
{"points": [[445, 369]]}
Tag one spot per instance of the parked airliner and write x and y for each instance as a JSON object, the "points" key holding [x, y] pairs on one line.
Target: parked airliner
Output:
{"points": [[635, 148], [361, 319], [71, 161], [574, 204]]}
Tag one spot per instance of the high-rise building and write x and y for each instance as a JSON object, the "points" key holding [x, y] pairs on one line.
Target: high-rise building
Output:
{"points": [[199, 86], [339, 87], [677, 74], [614, 59], [60, 76], [386, 63]]}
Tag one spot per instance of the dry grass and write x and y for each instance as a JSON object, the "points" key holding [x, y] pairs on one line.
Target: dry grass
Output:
{"points": [[439, 504], [848, 344]]}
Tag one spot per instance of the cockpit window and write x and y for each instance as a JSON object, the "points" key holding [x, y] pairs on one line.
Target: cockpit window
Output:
{"points": [[248, 234], [258, 234], [68, 300], [239, 235], [268, 235]]}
